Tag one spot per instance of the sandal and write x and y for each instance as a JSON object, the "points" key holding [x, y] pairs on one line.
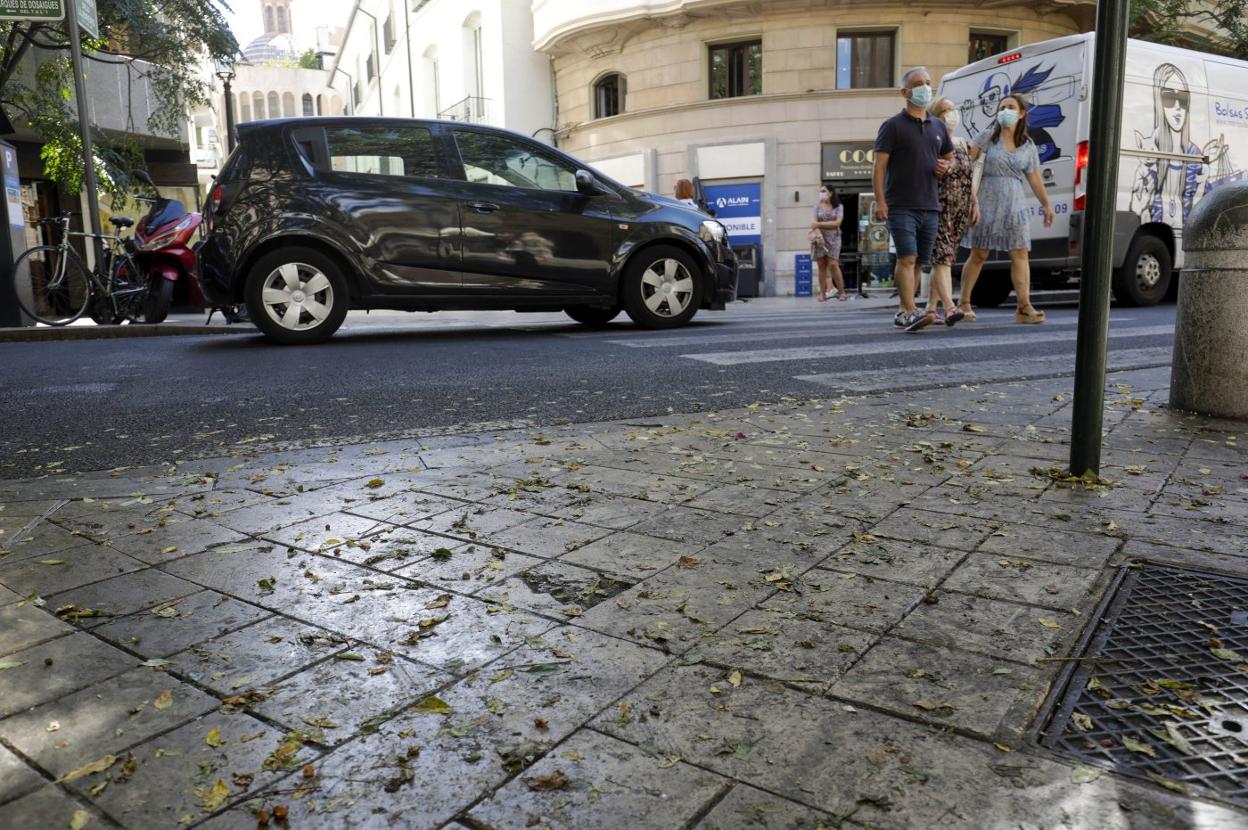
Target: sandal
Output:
{"points": [[968, 314], [842, 296], [823, 298], [1034, 315]]}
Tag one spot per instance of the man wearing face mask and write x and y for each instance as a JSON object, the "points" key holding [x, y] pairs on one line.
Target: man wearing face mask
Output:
{"points": [[911, 150]]}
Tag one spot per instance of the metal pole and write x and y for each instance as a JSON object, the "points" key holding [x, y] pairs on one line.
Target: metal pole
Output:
{"points": [[229, 115], [84, 119], [1108, 69]]}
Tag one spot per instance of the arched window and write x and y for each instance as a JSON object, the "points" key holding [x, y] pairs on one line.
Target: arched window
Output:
{"points": [[268, 19], [244, 107], [474, 56], [275, 106], [609, 93], [257, 105], [433, 95], [307, 105], [320, 105], [288, 105], [336, 105], [281, 20]]}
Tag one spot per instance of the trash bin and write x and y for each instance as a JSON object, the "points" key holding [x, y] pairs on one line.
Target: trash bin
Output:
{"points": [[1209, 372], [748, 270]]}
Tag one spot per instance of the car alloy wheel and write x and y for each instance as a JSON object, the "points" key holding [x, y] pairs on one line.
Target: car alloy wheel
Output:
{"points": [[297, 296], [667, 288]]}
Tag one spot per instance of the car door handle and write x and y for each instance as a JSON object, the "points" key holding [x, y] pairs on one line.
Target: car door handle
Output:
{"points": [[484, 207]]}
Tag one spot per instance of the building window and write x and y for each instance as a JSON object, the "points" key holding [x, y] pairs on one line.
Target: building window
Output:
{"points": [[609, 96], [275, 105], [984, 44], [737, 69], [865, 60], [387, 34], [308, 107], [371, 66], [281, 21]]}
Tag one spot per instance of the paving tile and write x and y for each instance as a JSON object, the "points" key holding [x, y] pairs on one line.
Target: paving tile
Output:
{"points": [[390, 548], [1018, 579], [272, 515], [604, 510], [170, 779], [332, 701], [104, 719], [403, 508], [915, 563], [103, 519], [256, 655], [690, 525], [122, 595], [1087, 550], [44, 538], [638, 485], [45, 807], [472, 523], [747, 808], [465, 635], [176, 540], [547, 538], [16, 777], [609, 784], [173, 626], [468, 568], [947, 531], [1003, 630], [845, 598], [557, 589], [941, 685], [630, 555], [65, 569], [219, 500], [326, 533], [28, 625], [57, 668], [792, 648], [739, 500]]}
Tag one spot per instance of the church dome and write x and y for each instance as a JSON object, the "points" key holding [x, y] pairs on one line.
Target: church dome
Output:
{"points": [[275, 46]]}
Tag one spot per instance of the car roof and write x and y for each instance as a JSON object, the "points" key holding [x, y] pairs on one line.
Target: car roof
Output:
{"points": [[270, 125]]}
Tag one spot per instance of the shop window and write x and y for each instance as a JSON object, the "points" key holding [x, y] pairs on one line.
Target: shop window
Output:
{"points": [[609, 96], [736, 69], [866, 60], [984, 45]]}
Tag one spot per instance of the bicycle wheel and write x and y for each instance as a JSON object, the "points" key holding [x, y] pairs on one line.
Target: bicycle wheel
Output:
{"points": [[52, 285]]}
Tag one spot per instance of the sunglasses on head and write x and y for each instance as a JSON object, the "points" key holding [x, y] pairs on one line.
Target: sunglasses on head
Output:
{"points": [[1171, 97]]}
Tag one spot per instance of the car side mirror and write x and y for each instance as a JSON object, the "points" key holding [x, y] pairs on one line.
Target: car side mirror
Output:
{"points": [[586, 184]]}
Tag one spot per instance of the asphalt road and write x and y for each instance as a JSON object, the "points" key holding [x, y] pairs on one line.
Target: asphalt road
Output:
{"points": [[91, 405]]}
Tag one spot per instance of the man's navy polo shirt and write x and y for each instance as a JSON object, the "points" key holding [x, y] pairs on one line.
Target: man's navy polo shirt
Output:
{"points": [[913, 146]]}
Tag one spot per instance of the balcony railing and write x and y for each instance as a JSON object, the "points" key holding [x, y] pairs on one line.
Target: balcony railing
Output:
{"points": [[472, 109]]}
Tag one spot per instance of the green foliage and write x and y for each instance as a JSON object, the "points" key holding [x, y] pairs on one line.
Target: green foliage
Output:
{"points": [[1219, 26], [309, 60], [164, 42]]}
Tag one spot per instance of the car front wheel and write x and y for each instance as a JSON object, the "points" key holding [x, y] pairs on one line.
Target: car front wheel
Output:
{"points": [[296, 296], [661, 288]]}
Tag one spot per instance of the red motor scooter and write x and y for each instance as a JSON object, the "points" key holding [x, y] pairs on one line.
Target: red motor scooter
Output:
{"points": [[162, 248]]}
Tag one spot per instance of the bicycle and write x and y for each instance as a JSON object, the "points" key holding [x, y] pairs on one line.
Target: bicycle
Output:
{"points": [[55, 287]]}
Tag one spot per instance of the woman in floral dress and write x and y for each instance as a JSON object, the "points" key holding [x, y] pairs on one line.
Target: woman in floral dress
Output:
{"points": [[958, 212], [1010, 161], [825, 242]]}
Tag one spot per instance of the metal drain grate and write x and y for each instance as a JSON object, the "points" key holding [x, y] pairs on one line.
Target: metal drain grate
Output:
{"points": [[1161, 689]]}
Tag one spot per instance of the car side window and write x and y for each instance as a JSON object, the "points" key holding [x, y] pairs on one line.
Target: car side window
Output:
{"points": [[499, 160], [383, 151]]}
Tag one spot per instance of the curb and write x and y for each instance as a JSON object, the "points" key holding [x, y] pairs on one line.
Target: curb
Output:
{"points": [[42, 334]]}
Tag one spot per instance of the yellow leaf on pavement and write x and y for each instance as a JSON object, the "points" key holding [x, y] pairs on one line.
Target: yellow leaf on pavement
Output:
{"points": [[213, 797], [164, 700], [79, 820], [1048, 622], [214, 738], [90, 769], [735, 679]]}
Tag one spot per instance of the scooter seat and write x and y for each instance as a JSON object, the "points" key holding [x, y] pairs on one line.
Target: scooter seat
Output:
{"points": [[121, 221]]}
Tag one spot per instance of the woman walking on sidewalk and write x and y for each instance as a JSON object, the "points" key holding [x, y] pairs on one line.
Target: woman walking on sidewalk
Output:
{"points": [[825, 242], [959, 211], [1010, 160]]}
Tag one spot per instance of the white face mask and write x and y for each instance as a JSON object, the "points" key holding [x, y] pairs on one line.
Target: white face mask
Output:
{"points": [[952, 119]]}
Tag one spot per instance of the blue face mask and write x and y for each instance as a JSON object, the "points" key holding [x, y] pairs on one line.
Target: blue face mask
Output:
{"points": [[1007, 118], [921, 96]]}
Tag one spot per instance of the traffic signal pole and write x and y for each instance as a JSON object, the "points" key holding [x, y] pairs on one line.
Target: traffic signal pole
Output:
{"points": [[1108, 70]]}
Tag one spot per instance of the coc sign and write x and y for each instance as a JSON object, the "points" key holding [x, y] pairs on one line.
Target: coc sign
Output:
{"points": [[38, 10], [853, 160]]}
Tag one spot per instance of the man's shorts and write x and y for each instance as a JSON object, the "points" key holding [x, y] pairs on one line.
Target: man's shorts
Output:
{"points": [[914, 232]]}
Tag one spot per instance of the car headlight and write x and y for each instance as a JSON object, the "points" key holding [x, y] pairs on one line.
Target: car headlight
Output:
{"points": [[712, 231]]}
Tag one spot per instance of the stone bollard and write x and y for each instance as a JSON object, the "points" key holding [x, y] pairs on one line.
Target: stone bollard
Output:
{"points": [[1209, 372]]}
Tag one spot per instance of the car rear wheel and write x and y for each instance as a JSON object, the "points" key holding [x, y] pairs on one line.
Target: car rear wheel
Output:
{"points": [[661, 288], [296, 296], [589, 315], [1144, 277]]}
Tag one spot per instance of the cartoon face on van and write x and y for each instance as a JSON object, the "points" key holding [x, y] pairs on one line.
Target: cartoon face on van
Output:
{"points": [[1046, 94]]}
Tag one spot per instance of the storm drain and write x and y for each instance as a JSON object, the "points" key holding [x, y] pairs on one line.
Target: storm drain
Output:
{"points": [[1160, 691]]}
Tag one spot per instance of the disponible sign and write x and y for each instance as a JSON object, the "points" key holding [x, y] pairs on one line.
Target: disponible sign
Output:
{"points": [[854, 160], [739, 208], [32, 10]]}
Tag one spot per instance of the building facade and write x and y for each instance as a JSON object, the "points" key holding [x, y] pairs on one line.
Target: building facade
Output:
{"points": [[467, 60], [763, 101]]}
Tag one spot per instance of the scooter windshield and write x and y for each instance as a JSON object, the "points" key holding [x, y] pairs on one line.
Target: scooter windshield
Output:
{"points": [[163, 214]]}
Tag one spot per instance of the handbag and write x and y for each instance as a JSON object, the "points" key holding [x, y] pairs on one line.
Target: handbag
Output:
{"points": [[815, 236]]}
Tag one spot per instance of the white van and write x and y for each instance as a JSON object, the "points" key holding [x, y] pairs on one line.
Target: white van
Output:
{"points": [[1184, 133]]}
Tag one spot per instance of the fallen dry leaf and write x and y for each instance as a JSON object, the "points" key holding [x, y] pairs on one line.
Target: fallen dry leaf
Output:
{"points": [[554, 781], [164, 700], [89, 769]]}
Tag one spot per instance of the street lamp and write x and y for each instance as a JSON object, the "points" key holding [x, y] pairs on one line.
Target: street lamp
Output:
{"points": [[225, 71]]}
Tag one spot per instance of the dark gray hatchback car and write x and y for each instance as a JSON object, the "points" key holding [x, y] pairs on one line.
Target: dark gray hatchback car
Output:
{"points": [[311, 217]]}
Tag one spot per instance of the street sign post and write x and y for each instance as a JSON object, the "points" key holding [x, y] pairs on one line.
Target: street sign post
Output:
{"points": [[39, 11], [1108, 71], [88, 18], [84, 123]]}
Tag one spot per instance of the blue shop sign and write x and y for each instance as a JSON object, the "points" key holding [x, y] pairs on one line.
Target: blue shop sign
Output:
{"points": [[739, 207]]}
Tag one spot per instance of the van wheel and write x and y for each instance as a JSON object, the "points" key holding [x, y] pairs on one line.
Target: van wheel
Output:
{"points": [[661, 288], [1145, 275], [588, 315], [296, 296], [991, 290]]}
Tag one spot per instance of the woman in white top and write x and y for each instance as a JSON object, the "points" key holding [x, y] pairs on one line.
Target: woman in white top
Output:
{"points": [[684, 192]]}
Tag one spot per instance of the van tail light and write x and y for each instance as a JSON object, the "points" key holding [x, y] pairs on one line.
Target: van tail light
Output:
{"points": [[1081, 164]]}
